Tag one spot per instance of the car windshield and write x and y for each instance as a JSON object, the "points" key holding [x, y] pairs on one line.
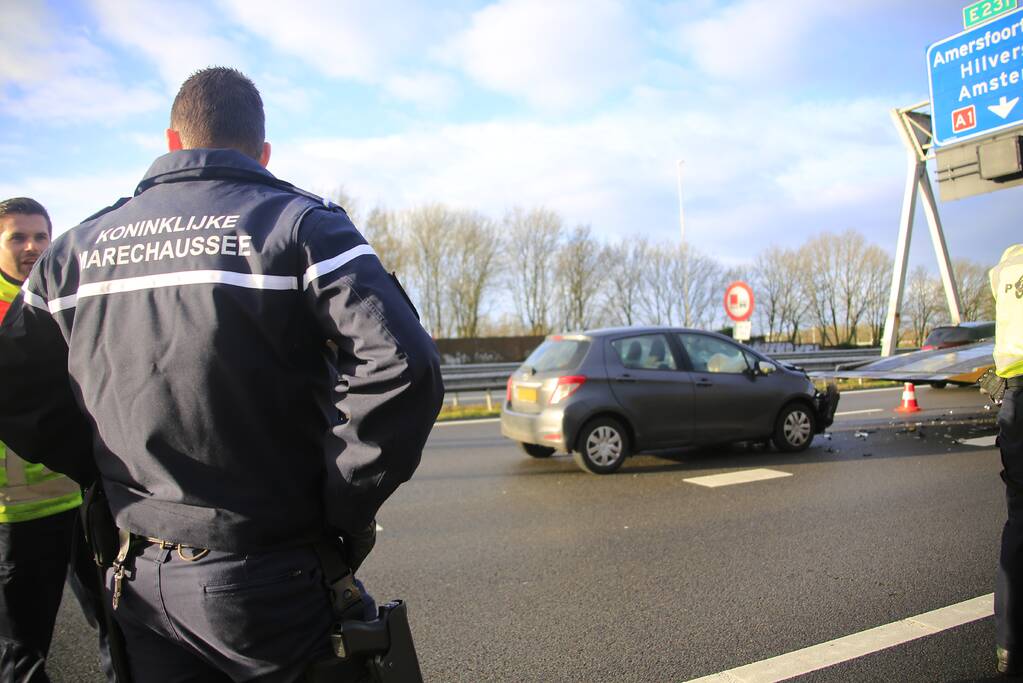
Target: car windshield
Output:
{"points": [[555, 355]]}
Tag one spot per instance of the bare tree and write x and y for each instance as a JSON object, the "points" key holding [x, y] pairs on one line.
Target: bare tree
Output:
{"points": [[340, 196], [626, 261], [430, 229], [476, 246], [656, 296], [835, 283], [385, 233], [923, 303], [878, 266], [532, 237], [699, 282], [818, 286], [581, 271], [974, 291], [772, 282], [792, 304]]}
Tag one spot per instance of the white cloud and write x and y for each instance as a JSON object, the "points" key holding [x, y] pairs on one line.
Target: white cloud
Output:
{"points": [[424, 88], [743, 176], [339, 38], [553, 54], [754, 40], [60, 76], [179, 37]]}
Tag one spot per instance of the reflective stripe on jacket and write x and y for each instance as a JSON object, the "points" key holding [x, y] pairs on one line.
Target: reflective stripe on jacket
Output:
{"points": [[28, 490], [1007, 286]]}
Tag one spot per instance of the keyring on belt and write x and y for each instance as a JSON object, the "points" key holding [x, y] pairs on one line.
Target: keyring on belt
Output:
{"points": [[200, 552]]}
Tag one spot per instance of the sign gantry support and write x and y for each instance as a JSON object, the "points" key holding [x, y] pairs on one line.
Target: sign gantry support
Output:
{"points": [[914, 128]]}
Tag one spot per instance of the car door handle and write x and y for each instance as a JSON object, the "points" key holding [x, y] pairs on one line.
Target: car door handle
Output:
{"points": [[626, 379], [704, 383]]}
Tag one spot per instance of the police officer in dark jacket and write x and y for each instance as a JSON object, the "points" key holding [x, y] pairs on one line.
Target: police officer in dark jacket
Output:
{"points": [[229, 356]]}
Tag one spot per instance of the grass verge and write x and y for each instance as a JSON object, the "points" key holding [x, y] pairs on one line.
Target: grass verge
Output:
{"points": [[466, 413]]}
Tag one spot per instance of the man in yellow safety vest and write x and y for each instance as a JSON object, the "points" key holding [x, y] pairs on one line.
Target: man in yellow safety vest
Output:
{"points": [[1007, 286], [38, 508]]}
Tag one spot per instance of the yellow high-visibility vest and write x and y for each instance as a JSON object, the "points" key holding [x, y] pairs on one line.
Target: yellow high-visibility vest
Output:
{"points": [[29, 490], [1007, 286]]}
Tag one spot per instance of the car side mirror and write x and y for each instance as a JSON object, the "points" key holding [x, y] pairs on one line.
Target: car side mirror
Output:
{"points": [[766, 368]]}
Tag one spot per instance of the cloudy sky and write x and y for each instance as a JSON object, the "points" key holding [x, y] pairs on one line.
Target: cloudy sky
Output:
{"points": [[779, 108]]}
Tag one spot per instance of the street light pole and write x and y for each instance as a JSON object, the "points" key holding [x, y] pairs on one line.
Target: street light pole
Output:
{"points": [[681, 211]]}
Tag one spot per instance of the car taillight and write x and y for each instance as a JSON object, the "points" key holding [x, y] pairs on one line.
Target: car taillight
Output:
{"points": [[928, 347], [566, 387], [507, 397]]}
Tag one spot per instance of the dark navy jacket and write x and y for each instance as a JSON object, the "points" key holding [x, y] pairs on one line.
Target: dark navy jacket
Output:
{"points": [[192, 321]]}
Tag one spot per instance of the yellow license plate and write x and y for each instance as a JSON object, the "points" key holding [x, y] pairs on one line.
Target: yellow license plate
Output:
{"points": [[526, 394]]}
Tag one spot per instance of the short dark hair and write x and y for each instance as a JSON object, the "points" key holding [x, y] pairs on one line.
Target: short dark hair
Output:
{"points": [[25, 206], [220, 107]]}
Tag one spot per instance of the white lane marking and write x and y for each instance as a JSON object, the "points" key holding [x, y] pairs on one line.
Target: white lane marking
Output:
{"points": [[859, 412], [486, 420], [379, 528], [740, 477], [799, 662], [981, 441]]}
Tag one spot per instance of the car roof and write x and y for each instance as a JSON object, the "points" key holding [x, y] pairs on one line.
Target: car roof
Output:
{"points": [[969, 325], [603, 332]]}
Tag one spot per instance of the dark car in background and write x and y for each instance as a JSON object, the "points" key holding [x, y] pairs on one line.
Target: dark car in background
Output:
{"points": [[608, 393], [947, 336]]}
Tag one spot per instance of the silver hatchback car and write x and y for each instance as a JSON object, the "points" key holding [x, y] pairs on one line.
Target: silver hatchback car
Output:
{"points": [[606, 394]]}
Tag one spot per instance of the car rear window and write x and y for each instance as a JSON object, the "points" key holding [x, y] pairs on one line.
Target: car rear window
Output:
{"points": [[942, 335], [555, 355]]}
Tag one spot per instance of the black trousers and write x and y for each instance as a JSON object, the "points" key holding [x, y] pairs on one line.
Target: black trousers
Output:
{"points": [[218, 617], [34, 561], [1009, 582]]}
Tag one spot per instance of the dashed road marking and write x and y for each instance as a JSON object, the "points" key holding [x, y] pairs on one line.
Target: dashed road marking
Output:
{"points": [[980, 441], [859, 412], [740, 477], [799, 662]]}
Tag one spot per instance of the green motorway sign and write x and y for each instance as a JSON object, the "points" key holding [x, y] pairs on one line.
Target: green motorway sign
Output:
{"points": [[986, 10]]}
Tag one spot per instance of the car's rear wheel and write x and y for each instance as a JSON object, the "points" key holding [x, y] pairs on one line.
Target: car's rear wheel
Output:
{"points": [[536, 450], [794, 429], [939, 385], [602, 447]]}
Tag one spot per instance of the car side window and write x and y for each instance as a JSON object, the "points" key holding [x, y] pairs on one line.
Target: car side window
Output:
{"points": [[708, 354], [645, 352]]}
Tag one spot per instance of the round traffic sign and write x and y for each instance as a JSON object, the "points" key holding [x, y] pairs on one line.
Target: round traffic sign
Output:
{"points": [[739, 301]]}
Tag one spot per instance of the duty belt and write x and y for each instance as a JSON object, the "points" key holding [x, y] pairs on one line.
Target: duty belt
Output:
{"points": [[123, 566], [1014, 382]]}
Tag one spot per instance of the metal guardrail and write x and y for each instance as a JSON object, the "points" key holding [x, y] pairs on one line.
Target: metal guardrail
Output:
{"points": [[490, 377]]}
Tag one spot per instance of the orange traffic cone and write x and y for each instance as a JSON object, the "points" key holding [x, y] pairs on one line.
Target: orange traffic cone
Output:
{"points": [[909, 404]]}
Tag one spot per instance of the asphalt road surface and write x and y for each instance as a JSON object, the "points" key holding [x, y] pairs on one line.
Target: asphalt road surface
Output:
{"points": [[522, 569]]}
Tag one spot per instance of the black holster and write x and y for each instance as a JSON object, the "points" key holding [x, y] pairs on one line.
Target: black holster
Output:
{"points": [[381, 650], [383, 645]]}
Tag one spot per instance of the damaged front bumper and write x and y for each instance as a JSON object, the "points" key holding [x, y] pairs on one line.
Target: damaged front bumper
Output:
{"points": [[826, 403]]}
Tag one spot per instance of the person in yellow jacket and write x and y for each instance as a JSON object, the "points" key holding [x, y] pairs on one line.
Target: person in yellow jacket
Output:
{"points": [[38, 508], [1007, 287]]}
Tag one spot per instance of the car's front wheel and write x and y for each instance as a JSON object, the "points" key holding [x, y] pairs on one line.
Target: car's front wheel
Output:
{"points": [[602, 447], [536, 450], [794, 429]]}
